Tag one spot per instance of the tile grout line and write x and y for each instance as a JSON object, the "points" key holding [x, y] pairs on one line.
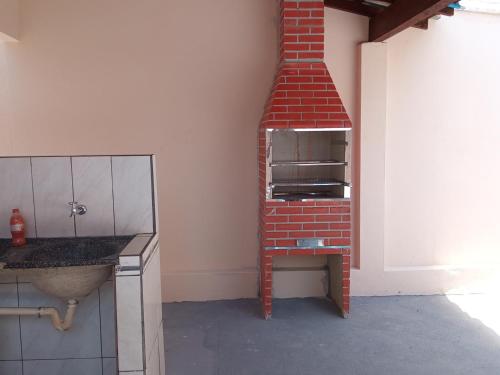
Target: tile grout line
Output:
{"points": [[58, 359], [153, 191], [113, 194], [143, 338], [100, 328], [66, 155], [115, 322], [72, 191], [20, 332], [33, 195]]}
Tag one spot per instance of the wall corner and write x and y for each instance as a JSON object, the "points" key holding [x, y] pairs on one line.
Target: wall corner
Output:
{"points": [[373, 123], [9, 21]]}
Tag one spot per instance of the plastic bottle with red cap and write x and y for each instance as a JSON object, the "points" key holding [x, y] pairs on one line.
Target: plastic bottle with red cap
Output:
{"points": [[17, 228]]}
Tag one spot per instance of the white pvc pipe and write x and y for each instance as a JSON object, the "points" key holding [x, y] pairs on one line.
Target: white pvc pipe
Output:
{"points": [[52, 312]]}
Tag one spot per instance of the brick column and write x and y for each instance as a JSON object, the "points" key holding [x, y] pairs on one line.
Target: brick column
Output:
{"points": [[339, 267], [266, 284]]}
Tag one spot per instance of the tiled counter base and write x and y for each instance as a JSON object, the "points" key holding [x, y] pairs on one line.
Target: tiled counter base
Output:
{"points": [[139, 308]]}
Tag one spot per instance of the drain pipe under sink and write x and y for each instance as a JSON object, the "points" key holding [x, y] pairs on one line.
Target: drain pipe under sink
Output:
{"points": [[52, 312]]}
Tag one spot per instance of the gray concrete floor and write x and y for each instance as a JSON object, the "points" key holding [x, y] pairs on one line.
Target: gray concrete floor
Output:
{"points": [[384, 335]]}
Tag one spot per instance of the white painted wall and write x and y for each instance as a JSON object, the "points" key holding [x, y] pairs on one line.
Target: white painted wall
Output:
{"points": [[443, 156], [440, 179]]}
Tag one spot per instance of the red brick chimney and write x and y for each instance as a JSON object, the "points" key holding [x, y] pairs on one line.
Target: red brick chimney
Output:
{"points": [[302, 30], [303, 94]]}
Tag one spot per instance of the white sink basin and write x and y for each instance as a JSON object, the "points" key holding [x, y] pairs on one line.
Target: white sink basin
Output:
{"points": [[70, 282]]}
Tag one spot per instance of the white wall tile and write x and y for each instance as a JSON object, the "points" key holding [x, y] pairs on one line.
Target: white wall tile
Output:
{"points": [[11, 368], [63, 367], [10, 344], [151, 292], [53, 190], [153, 362], [136, 245], [129, 323], [108, 321], [16, 192], [92, 186], [41, 341], [8, 294], [133, 202], [7, 276], [109, 366], [154, 163]]}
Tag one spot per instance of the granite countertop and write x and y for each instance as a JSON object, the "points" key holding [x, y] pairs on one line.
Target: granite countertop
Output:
{"points": [[62, 252]]}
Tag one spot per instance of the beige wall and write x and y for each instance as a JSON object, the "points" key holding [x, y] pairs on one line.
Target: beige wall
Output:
{"points": [[187, 81], [184, 80], [9, 20], [442, 144], [429, 160]]}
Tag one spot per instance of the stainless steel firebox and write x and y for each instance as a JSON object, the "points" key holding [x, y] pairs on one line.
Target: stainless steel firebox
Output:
{"points": [[304, 164]]}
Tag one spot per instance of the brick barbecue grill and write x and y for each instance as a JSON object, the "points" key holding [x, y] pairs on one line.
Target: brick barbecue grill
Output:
{"points": [[304, 158]]}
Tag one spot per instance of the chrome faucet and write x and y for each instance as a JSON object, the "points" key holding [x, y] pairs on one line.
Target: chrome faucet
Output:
{"points": [[77, 209]]}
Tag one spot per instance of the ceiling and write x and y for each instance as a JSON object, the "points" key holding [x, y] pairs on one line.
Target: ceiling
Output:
{"points": [[389, 17]]}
